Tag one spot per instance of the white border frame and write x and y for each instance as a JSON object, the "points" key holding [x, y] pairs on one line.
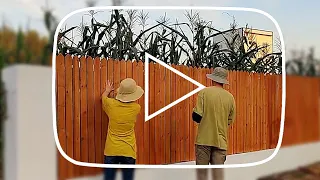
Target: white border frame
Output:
{"points": [[56, 138]]}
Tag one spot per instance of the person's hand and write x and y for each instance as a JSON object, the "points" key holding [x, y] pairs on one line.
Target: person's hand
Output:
{"points": [[109, 86]]}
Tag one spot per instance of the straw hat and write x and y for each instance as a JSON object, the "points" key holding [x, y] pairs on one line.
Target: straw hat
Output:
{"points": [[129, 91], [219, 75]]}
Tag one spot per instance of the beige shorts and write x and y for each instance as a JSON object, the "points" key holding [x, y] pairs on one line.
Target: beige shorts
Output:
{"points": [[206, 155]]}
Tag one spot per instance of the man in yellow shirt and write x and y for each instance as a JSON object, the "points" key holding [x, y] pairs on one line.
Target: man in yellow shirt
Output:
{"points": [[120, 146], [214, 112]]}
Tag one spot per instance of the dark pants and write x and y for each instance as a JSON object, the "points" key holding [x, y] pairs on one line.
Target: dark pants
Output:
{"points": [[206, 155], [110, 173]]}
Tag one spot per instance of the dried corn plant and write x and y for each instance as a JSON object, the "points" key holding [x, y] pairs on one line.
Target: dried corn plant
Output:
{"points": [[128, 35]]}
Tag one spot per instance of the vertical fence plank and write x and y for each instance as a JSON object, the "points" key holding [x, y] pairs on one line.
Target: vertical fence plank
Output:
{"points": [[230, 131], [231, 127], [104, 117], [255, 109], [133, 69], [144, 125], [84, 111], [279, 103], [251, 104], [182, 106], [247, 110], [151, 110], [256, 106], [208, 81], [76, 113], [186, 119], [253, 118], [167, 115], [269, 111], [179, 128], [173, 119], [235, 129], [197, 74], [133, 72], [123, 70], [194, 125], [230, 140], [262, 112], [97, 111], [243, 112], [110, 74], [61, 121], [227, 88], [157, 119], [116, 75], [162, 118], [272, 110], [129, 72], [259, 113], [144, 141], [275, 128], [239, 113], [189, 120], [91, 102], [265, 114], [69, 114], [242, 118], [237, 122], [234, 89]]}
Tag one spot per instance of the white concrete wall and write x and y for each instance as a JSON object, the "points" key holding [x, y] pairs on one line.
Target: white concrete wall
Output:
{"points": [[287, 158], [30, 152]]}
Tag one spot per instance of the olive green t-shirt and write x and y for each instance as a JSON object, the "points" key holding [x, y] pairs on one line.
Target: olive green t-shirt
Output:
{"points": [[217, 108]]}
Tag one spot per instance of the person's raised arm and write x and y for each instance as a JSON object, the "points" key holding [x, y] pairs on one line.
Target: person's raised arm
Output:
{"points": [[198, 110], [109, 88], [104, 97], [232, 113]]}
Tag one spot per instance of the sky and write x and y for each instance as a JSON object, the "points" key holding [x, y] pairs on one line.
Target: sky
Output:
{"points": [[297, 19]]}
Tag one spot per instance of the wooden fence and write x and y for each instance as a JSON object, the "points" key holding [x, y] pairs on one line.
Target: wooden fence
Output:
{"points": [[302, 120], [169, 137]]}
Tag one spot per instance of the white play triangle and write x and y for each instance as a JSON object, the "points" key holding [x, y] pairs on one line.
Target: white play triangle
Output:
{"points": [[146, 85]]}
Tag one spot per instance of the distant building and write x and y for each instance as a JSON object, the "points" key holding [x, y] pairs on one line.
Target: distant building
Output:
{"points": [[254, 36], [261, 38]]}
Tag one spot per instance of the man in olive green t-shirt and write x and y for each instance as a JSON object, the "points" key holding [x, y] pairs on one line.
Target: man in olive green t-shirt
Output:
{"points": [[214, 112]]}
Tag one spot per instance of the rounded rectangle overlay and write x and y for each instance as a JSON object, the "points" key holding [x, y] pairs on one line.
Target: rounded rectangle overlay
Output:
{"points": [[173, 166]]}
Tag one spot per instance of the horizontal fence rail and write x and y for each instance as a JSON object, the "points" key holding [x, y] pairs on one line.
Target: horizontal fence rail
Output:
{"points": [[169, 137]]}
